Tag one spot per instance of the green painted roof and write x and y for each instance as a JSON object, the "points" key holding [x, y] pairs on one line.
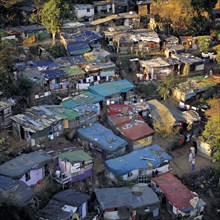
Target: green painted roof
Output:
{"points": [[73, 70], [74, 156], [84, 98], [62, 112], [112, 88]]}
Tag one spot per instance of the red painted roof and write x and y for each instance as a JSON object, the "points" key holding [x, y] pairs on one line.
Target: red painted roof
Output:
{"points": [[174, 190], [135, 129], [115, 109], [119, 119]]}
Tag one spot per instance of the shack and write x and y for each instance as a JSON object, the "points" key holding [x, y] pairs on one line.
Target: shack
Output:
{"points": [[143, 162], [15, 192], [67, 204], [83, 12], [101, 141], [195, 88], [29, 168], [73, 166], [144, 7], [35, 126], [70, 117], [154, 69], [190, 65], [137, 132], [181, 202], [5, 114], [114, 91], [125, 203]]}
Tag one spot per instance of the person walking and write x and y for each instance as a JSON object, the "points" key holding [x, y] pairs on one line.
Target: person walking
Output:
{"points": [[190, 157], [193, 151], [193, 163]]}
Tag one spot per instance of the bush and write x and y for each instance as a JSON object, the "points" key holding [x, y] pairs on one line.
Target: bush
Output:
{"points": [[58, 50]]}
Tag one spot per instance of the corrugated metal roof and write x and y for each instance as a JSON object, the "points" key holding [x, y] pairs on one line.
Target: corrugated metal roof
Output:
{"points": [[73, 70], [35, 119], [157, 62], [188, 58], [84, 98], [174, 190], [61, 112], [135, 129], [112, 88]]}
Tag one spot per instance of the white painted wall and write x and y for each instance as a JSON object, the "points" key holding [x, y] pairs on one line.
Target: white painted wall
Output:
{"points": [[135, 173], [204, 148], [103, 7], [83, 12], [200, 67]]}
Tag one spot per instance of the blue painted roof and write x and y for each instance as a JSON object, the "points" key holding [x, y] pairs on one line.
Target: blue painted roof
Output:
{"points": [[102, 137], [112, 88], [86, 35], [85, 98], [49, 64], [79, 59], [54, 73], [78, 48], [138, 160]]}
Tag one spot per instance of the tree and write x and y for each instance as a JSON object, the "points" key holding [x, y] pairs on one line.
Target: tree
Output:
{"points": [[167, 85], [178, 12], [58, 50], [212, 128], [10, 211], [218, 55], [9, 3], [8, 54], [199, 26], [201, 6], [24, 91], [147, 90], [53, 14], [36, 15], [204, 43]]}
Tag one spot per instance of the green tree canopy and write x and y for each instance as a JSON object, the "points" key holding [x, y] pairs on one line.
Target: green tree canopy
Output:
{"points": [[36, 15], [178, 12], [218, 55], [10, 211], [9, 3], [53, 14], [199, 26], [8, 54], [211, 133], [201, 6], [204, 43], [167, 85]]}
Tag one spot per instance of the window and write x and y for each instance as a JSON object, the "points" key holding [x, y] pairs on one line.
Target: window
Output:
{"points": [[129, 174], [88, 10], [27, 176], [192, 68]]}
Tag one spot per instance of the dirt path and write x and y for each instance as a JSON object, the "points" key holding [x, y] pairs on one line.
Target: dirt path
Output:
{"points": [[181, 165]]}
